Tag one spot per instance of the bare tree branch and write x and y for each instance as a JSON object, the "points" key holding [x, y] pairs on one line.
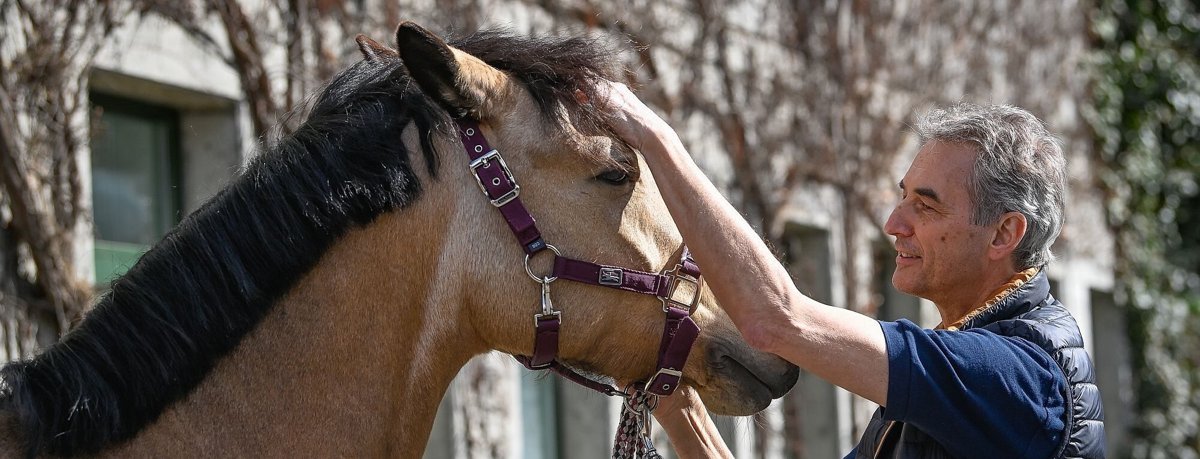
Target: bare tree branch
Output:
{"points": [[248, 59], [43, 93], [29, 218], [182, 15]]}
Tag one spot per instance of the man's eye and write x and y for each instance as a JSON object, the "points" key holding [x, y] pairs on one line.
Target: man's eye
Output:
{"points": [[614, 177]]}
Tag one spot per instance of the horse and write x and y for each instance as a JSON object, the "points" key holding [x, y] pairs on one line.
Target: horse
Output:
{"points": [[322, 302]]}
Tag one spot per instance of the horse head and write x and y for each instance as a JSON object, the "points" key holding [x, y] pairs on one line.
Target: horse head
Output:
{"points": [[593, 198]]}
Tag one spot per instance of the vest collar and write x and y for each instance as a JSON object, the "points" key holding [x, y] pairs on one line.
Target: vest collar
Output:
{"points": [[1026, 290]]}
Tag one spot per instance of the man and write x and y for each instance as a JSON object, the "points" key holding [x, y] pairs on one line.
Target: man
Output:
{"points": [[1004, 375]]}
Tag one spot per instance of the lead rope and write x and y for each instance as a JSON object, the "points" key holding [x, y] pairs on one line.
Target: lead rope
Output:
{"points": [[633, 432]]}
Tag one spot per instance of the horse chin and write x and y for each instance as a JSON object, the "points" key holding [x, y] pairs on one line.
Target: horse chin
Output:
{"points": [[735, 400], [743, 382]]}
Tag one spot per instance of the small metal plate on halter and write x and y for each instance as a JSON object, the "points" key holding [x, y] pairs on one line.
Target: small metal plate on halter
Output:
{"points": [[611, 276]]}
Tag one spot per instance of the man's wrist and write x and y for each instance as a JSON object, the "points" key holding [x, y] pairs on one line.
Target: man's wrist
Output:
{"points": [[661, 134], [691, 431]]}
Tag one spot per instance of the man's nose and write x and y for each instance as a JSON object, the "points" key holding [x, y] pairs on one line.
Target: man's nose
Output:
{"points": [[897, 225]]}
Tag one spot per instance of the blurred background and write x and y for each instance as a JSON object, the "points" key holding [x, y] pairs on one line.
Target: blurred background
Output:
{"points": [[119, 117]]}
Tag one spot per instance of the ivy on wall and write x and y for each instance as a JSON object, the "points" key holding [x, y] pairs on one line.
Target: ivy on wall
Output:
{"points": [[1147, 124]]}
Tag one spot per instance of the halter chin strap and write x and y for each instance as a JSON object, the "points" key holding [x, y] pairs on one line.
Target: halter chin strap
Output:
{"points": [[678, 289]]}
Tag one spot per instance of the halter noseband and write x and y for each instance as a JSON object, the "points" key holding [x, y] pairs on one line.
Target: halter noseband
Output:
{"points": [[499, 186]]}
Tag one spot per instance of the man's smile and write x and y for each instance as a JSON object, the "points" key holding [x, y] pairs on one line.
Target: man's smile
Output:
{"points": [[904, 257]]}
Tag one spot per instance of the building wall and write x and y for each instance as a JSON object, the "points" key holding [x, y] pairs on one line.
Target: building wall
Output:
{"points": [[153, 61]]}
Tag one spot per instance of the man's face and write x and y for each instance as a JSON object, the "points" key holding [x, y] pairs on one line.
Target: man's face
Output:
{"points": [[941, 255]]}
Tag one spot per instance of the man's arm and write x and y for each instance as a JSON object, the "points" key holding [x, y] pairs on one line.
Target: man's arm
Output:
{"points": [[692, 432], [841, 346]]}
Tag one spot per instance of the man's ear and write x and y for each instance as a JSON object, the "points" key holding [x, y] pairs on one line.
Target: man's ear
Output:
{"points": [[1009, 233], [463, 84], [372, 50]]}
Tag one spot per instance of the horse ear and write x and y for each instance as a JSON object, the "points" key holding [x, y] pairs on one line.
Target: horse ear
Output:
{"points": [[462, 83], [372, 50]]}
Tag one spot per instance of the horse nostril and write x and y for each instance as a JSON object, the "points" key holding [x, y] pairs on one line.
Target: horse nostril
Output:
{"points": [[787, 381]]}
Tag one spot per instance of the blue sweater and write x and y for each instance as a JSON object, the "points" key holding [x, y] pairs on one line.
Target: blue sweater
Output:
{"points": [[977, 393]]}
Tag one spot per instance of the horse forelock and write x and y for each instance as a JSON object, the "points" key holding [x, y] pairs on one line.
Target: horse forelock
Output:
{"points": [[196, 294], [555, 71]]}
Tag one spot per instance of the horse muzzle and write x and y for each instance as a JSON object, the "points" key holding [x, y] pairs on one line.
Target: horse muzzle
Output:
{"points": [[743, 381]]}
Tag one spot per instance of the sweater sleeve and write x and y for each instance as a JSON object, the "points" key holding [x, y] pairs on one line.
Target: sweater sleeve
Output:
{"points": [[978, 394]]}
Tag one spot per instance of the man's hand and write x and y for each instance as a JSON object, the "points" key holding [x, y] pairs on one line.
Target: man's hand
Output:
{"points": [[629, 118]]}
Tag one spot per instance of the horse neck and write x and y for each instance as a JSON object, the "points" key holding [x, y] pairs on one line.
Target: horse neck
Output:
{"points": [[352, 362]]}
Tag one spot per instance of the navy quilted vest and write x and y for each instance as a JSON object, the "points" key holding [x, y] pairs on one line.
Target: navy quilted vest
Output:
{"points": [[1032, 314]]}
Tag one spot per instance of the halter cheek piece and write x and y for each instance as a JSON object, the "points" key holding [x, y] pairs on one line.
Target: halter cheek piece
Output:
{"points": [[678, 288]]}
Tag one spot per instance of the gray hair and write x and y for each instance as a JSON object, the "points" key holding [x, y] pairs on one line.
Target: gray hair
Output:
{"points": [[1020, 169]]}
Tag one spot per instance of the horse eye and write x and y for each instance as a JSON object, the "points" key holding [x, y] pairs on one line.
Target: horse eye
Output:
{"points": [[614, 177]]}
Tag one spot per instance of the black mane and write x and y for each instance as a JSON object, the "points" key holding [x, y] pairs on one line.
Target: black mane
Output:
{"points": [[193, 297]]}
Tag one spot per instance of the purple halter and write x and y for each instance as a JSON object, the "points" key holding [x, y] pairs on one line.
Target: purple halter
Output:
{"points": [[498, 184]]}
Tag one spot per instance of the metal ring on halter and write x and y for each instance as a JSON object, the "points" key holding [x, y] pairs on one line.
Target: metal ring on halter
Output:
{"points": [[627, 402], [529, 271], [632, 390], [650, 404]]}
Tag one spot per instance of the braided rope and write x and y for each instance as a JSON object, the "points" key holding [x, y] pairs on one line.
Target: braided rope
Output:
{"points": [[633, 430]]}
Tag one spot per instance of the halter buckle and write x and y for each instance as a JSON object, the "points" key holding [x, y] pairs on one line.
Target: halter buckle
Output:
{"points": [[484, 162], [537, 318], [691, 286], [664, 387]]}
